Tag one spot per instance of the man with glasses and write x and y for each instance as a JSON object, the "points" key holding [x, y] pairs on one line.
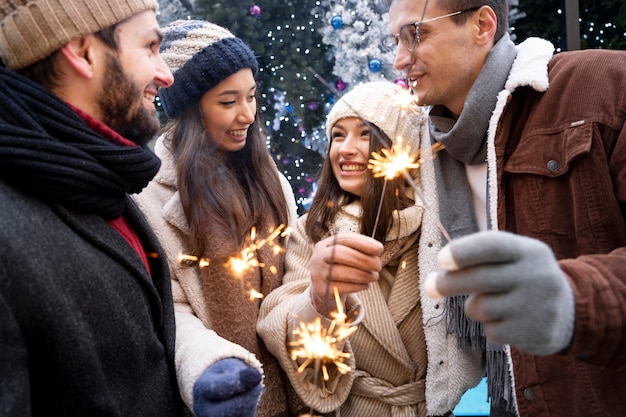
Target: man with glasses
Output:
{"points": [[536, 144]]}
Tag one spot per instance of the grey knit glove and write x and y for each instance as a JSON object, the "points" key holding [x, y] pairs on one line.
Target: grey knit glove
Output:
{"points": [[517, 289]]}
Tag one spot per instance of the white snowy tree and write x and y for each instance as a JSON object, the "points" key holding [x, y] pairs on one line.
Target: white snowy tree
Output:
{"points": [[170, 10], [355, 30]]}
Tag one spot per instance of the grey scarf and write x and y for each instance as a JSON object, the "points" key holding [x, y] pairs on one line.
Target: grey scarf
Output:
{"points": [[465, 143]]}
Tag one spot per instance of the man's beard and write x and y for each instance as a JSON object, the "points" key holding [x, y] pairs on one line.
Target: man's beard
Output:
{"points": [[119, 106]]}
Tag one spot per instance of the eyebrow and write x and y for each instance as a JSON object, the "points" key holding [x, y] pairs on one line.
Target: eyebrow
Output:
{"points": [[361, 123], [151, 33], [230, 92]]}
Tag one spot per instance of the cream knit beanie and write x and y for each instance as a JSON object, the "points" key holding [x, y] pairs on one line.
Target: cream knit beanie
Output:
{"points": [[386, 105], [31, 30]]}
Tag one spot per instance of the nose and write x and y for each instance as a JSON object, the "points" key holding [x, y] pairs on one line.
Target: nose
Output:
{"points": [[248, 112], [348, 146], [402, 60], [163, 76]]}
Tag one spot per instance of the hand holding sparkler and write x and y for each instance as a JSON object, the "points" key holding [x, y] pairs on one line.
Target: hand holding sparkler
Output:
{"points": [[517, 288], [349, 262]]}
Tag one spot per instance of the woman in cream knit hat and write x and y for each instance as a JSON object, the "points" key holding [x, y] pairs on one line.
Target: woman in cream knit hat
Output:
{"points": [[402, 362]]}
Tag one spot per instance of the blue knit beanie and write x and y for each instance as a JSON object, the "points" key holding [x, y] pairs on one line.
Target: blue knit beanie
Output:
{"points": [[200, 55]]}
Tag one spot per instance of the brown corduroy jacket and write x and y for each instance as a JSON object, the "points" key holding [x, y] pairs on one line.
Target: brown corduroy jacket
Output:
{"points": [[560, 156]]}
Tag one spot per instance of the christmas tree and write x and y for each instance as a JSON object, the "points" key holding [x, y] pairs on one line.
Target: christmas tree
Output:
{"points": [[355, 31], [309, 51]]}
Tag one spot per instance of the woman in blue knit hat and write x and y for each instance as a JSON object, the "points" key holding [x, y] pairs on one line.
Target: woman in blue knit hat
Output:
{"points": [[218, 192]]}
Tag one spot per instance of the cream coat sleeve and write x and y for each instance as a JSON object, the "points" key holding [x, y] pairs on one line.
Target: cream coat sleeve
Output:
{"points": [[284, 309]]}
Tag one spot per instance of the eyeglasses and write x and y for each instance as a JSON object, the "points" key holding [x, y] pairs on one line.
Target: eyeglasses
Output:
{"points": [[410, 34]]}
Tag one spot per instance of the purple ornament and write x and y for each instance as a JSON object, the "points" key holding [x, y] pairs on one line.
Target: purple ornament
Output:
{"points": [[255, 11], [312, 105], [340, 84], [402, 83]]}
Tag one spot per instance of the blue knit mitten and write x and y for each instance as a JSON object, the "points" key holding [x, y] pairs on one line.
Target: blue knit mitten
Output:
{"points": [[517, 288], [228, 388]]}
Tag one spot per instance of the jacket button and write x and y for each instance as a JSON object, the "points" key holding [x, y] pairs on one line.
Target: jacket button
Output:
{"points": [[529, 394], [553, 165]]}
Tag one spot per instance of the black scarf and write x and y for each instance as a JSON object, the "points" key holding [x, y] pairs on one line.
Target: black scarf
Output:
{"points": [[47, 150]]}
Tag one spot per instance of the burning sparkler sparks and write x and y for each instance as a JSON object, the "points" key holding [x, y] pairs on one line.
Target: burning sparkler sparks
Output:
{"points": [[246, 259], [392, 163], [323, 346]]}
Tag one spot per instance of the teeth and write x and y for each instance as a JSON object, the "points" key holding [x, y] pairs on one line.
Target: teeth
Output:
{"points": [[237, 132], [352, 167], [150, 97]]}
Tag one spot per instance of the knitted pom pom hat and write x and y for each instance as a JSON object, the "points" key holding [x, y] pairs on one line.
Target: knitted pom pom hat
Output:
{"points": [[386, 105], [31, 30], [200, 55]]}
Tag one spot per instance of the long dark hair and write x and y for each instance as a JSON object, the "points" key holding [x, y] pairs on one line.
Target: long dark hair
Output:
{"points": [[330, 198], [223, 193]]}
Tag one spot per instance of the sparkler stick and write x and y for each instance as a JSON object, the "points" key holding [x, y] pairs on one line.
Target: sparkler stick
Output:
{"points": [[321, 346], [380, 206]]}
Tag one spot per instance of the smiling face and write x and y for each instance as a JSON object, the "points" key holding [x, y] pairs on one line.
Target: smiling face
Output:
{"points": [[131, 77], [349, 153], [447, 61], [228, 110]]}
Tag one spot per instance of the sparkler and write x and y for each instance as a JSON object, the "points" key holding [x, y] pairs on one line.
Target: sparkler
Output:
{"points": [[322, 346], [246, 259], [392, 163], [398, 162]]}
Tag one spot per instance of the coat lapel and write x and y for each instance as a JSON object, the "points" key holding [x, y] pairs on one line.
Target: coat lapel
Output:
{"points": [[379, 323], [96, 230], [405, 294]]}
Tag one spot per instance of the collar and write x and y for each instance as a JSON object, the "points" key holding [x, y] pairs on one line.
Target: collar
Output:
{"points": [[531, 65], [100, 128]]}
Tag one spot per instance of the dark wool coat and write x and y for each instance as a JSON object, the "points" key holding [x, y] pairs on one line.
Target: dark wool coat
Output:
{"points": [[84, 329]]}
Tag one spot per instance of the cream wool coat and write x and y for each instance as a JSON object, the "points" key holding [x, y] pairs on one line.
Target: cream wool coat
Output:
{"points": [[387, 333], [197, 346]]}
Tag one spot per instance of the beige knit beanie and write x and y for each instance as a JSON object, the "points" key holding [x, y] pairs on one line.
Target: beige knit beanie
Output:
{"points": [[30, 30], [389, 107]]}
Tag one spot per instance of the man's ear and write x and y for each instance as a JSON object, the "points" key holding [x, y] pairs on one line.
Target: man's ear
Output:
{"points": [[80, 55], [486, 23]]}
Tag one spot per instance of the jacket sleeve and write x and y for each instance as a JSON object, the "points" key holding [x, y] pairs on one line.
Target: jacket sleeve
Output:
{"points": [[281, 313], [599, 285], [14, 380]]}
